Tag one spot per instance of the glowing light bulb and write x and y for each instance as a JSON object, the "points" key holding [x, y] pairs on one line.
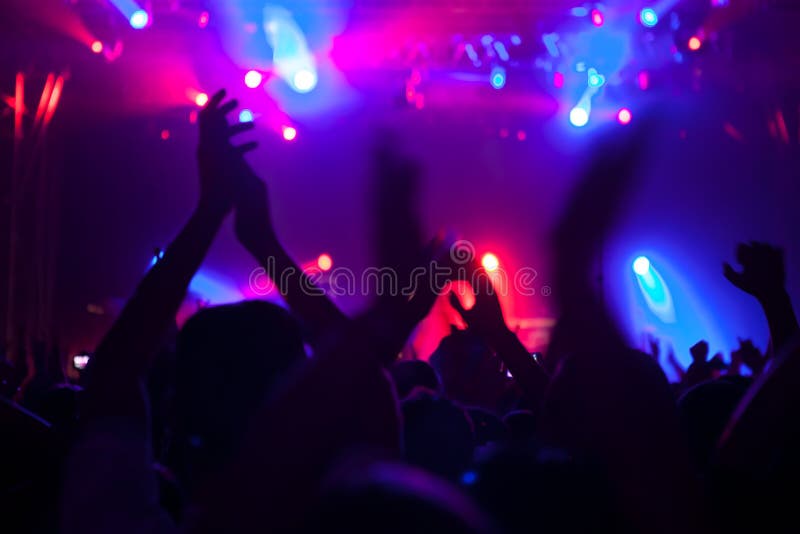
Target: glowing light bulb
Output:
{"points": [[624, 116], [201, 99], [695, 43], [97, 47]]}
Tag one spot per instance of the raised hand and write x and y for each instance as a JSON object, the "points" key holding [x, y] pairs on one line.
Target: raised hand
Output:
{"points": [[253, 223], [655, 346], [217, 157], [699, 351], [763, 273], [255, 231], [749, 354], [485, 318]]}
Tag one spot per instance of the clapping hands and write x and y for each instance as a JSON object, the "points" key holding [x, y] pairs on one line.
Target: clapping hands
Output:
{"points": [[220, 162]]}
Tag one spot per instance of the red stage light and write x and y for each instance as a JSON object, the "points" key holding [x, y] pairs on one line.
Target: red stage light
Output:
{"points": [[324, 262], [164, 134], [490, 262]]}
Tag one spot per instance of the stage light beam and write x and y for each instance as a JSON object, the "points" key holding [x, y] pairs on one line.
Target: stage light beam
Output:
{"points": [[292, 59], [654, 290]]}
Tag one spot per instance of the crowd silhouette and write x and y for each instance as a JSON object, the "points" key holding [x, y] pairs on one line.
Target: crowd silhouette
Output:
{"points": [[261, 418]]}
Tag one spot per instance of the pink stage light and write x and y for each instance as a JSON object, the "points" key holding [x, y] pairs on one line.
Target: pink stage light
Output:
{"points": [[202, 22], [644, 80], [289, 133], [695, 43], [253, 79], [324, 262], [97, 47], [201, 99], [624, 116], [597, 18], [558, 80]]}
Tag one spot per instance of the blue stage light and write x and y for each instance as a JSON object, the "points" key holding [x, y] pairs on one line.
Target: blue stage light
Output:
{"points": [[641, 265], [649, 17], [498, 78], [304, 80], [578, 116], [595, 79], [139, 19], [245, 116], [654, 290]]}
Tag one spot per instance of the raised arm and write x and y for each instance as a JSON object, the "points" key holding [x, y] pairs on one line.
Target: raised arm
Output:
{"points": [[341, 402], [763, 276], [486, 319], [127, 350], [255, 231]]}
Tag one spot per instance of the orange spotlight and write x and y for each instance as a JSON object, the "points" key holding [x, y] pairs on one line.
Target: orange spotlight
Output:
{"points": [[324, 262], [97, 47], [695, 43], [490, 262]]}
